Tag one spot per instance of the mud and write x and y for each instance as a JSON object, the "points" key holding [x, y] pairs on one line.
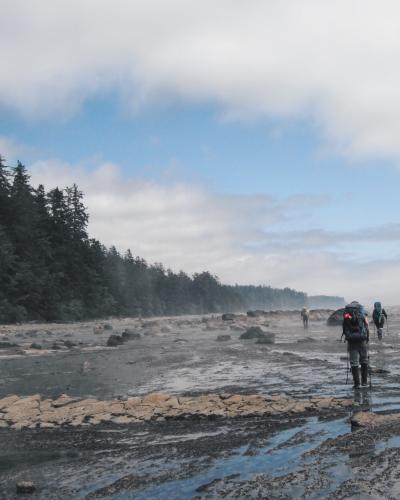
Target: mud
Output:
{"points": [[274, 456]]}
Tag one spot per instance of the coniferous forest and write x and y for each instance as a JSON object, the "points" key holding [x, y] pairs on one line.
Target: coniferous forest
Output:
{"points": [[50, 269]]}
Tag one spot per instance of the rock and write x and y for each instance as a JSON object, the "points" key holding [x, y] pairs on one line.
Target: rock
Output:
{"points": [[7, 345], [228, 317], [23, 487], [305, 340], [336, 318], [256, 332], [223, 338], [130, 335], [181, 341], [56, 346], [255, 314], [35, 346], [369, 419], [107, 326], [69, 344], [114, 341], [378, 371]]}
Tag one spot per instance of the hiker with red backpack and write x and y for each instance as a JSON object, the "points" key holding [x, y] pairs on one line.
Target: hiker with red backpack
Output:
{"points": [[379, 316], [356, 334]]}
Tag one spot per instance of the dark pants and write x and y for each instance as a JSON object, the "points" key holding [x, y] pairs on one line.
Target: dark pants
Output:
{"points": [[358, 352]]}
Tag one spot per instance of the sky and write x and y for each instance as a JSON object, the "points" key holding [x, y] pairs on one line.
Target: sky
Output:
{"points": [[257, 140]]}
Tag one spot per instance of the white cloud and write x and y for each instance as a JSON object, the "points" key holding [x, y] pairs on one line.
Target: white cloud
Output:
{"points": [[333, 62], [189, 227]]}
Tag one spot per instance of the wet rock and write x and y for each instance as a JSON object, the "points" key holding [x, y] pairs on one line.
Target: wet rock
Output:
{"points": [[378, 371], [256, 332], [35, 346], [56, 346], [181, 341], [107, 326], [336, 318], [369, 419], [7, 345], [228, 317], [256, 314], [69, 344], [114, 341], [223, 338], [306, 340], [24, 487], [130, 335]]}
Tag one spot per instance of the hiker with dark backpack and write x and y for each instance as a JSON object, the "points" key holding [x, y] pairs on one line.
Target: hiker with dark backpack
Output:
{"points": [[379, 316], [356, 334]]}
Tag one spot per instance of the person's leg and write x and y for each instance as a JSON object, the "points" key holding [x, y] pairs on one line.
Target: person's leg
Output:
{"points": [[354, 362], [364, 364]]}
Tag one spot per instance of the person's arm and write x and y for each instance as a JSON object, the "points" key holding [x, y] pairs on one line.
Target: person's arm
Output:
{"points": [[384, 313]]}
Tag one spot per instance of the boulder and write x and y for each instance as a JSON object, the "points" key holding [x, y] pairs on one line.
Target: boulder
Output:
{"points": [[69, 344], [223, 338], [35, 346], [107, 326], [255, 332], [7, 345], [228, 317], [23, 487], [336, 318], [114, 341]]}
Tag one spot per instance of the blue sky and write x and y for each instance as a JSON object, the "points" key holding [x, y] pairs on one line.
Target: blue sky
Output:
{"points": [[262, 146]]}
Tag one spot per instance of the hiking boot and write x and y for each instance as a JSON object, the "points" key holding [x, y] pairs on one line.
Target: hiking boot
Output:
{"points": [[364, 375], [356, 376]]}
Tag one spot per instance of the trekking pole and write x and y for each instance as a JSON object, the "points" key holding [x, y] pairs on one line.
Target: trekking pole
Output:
{"points": [[347, 370], [370, 371]]}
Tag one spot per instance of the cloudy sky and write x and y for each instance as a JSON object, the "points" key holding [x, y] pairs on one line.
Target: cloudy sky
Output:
{"points": [[259, 140]]}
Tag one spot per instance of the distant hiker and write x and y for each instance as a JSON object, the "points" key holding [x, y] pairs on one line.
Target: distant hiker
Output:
{"points": [[379, 316], [305, 316], [356, 333]]}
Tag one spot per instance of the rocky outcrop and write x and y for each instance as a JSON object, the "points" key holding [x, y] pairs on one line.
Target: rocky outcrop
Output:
{"points": [[34, 412], [114, 341], [369, 419]]}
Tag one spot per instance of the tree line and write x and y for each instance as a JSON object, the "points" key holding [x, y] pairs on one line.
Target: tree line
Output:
{"points": [[50, 269]]}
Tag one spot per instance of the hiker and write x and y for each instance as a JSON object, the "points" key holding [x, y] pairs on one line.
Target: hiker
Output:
{"points": [[379, 316], [305, 315], [356, 333]]}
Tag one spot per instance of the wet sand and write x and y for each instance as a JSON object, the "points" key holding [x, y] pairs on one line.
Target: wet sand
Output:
{"points": [[276, 457]]}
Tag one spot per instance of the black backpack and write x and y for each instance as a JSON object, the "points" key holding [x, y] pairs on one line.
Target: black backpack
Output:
{"points": [[377, 315], [354, 327]]}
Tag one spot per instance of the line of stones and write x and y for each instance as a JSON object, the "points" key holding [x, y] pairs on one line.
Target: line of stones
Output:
{"points": [[32, 411]]}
